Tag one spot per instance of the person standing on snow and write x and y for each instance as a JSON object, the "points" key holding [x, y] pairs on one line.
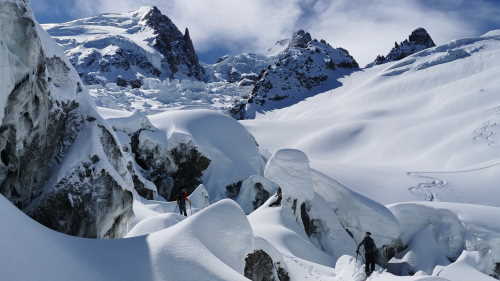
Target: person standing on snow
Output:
{"points": [[182, 197], [279, 197], [370, 253]]}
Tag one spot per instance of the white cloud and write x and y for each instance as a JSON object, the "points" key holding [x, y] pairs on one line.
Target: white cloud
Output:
{"points": [[364, 27], [368, 28]]}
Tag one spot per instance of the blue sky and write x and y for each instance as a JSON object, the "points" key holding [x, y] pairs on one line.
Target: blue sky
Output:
{"points": [[364, 27]]}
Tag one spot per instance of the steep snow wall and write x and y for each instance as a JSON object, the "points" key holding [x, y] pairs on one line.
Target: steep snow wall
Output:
{"points": [[60, 162]]}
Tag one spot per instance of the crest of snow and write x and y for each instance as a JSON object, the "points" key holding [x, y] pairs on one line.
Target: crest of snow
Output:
{"points": [[154, 224], [482, 231], [358, 213], [232, 150], [131, 124], [417, 220], [210, 245], [199, 198], [289, 168], [469, 266], [492, 33], [281, 230]]}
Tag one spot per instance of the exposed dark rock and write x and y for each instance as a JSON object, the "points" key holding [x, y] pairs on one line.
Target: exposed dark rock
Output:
{"points": [[87, 203], [157, 165], [300, 39], [233, 190], [259, 266], [418, 40], [44, 127], [282, 273], [496, 271], [142, 189], [190, 166], [306, 219], [177, 48], [39, 129], [261, 196]]}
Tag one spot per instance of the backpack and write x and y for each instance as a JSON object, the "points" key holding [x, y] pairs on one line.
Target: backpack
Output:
{"points": [[370, 246]]}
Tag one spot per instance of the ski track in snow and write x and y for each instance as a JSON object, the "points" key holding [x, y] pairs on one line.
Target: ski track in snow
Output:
{"points": [[433, 185], [429, 188], [489, 130]]}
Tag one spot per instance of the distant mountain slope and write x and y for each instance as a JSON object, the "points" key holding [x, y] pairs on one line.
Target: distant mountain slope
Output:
{"points": [[244, 68], [418, 40], [425, 127], [306, 67], [125, 48]]}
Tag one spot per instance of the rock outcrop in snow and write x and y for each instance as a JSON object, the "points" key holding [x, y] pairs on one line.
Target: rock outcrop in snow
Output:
{"points": [[126, 48], [60, 161], [306, 67], [172, 167], [418, 40]]}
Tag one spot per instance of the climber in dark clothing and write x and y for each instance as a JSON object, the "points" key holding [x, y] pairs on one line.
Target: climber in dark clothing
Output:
{"points": [[182, 197], [279, 197], [370, 253]]}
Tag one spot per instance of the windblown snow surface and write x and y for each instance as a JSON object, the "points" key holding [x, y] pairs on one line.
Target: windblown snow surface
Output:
{"points": [[425, 127]]}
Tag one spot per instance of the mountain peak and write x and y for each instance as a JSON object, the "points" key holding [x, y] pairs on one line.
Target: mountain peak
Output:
{"points": [[143, 11], [418, 40], [144, 43], [422, 37], [300, 39]]}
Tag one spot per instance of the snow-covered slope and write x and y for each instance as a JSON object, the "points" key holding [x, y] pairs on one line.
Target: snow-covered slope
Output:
{"points": [[244, 68], [126, 48], [424, 127], [211, 245]]}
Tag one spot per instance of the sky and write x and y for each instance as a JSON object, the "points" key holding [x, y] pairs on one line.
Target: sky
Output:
{"points": [[364, 27]]}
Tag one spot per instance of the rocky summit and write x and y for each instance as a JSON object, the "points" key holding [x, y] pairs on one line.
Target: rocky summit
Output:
{"points": [[418, 40]]}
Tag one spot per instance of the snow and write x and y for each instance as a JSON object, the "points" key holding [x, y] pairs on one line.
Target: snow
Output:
{"points": [[433, 114], [465, 268], [444, 226], [331, 207], [161, 95], [208, 246], [423, 128], [348, 268], [290, 170]]}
